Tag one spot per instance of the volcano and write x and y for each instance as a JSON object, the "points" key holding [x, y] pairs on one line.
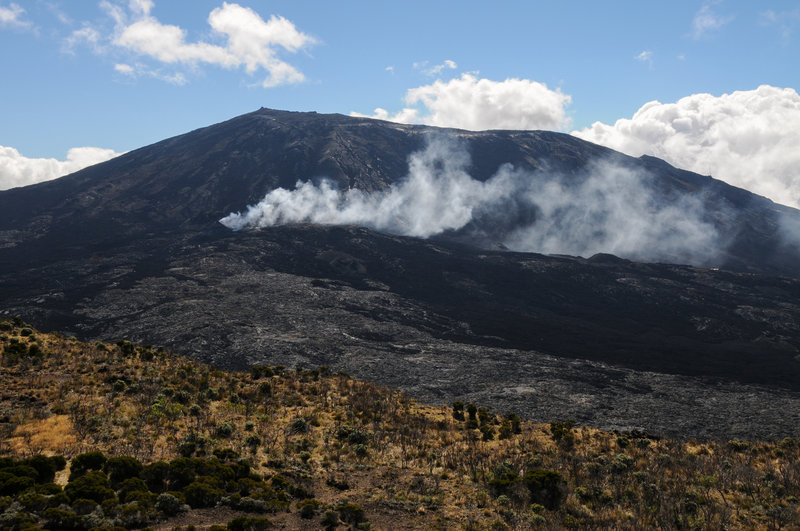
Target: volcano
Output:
{"points": [[702, 344]]}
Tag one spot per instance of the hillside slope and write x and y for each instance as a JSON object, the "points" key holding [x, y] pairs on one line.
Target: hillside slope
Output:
{"points": [[133, 248], [144, 431]]}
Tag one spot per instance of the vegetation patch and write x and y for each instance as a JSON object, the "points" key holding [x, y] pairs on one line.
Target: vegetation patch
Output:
{"points": [[113, 436]]}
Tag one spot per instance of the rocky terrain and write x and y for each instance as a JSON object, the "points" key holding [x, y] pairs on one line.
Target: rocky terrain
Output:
{"points": [[133, 248]]}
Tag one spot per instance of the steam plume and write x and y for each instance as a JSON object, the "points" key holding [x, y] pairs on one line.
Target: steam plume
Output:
{"points": [[609, 209]]}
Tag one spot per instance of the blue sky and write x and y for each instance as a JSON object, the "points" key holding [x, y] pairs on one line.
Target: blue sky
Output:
{"points": [[120, 74]]}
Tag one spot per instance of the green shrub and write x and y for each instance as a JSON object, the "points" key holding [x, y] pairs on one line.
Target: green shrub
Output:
{"points": [[561, 432], [84, 462], [351, 513], [169, 505], [487, 432], [299, 425], [261, 371], [83, 506], [121, 468], [56, 518], [503, 478], [93, 485], [353, 435], [46, 466], [224, 430], [308, 508], [119, 386], [202, 493], [738, 446], [187, 448], [21, 471], [330, 520], [58, 499], [140, 497], [248, 504], [181, 473], [48, 489], [156, 475], [546, 487], [32, 501], [131, 485], [226, 454], [13, 485], [458, 410], [14, 350], [249, 523]]}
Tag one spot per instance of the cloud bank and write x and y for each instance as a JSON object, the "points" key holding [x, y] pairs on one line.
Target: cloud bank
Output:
{"points": [[240, 39], [477, 104], [750, 139], [610, 209], [18, 170]]}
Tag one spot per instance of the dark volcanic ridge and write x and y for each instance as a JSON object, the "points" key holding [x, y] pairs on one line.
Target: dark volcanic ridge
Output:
{"points": [[133, 248]]}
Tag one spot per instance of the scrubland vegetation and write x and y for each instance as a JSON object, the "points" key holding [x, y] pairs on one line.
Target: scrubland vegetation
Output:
{"points": [[113, 436]]}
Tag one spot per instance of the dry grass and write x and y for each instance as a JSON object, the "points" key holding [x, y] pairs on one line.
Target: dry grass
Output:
{"points": [[49, 436], [410, 466]]}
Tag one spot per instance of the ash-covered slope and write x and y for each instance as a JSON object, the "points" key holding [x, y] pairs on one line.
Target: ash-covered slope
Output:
{"points": [[191, 181], [133, 248]]}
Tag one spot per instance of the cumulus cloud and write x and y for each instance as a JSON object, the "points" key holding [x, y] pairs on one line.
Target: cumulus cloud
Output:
{"points": [[18, 170], [12, 16], [248, 41], [608, 209], [706, 21], [477, 104], [750, 139]]}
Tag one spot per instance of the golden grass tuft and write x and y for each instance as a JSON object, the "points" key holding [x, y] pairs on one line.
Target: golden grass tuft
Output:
{"points": [[53, 435]]}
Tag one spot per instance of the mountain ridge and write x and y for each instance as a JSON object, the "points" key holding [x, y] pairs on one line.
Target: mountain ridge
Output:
{"points": [[133, 248]]}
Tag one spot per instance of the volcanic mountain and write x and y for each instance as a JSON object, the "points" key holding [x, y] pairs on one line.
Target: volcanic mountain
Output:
{"points": [[134, 248]]}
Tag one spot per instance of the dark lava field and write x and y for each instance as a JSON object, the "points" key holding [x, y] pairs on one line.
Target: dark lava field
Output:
{"points": [[132, 248]]}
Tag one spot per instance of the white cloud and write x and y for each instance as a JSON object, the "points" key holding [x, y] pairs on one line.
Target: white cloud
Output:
{"points": [[249, 41], [18, 170], [86, 35], [707, 21], [784, 21], [11, 15], [140, 70], [141, 7], [645, 57], [436, 69], [750, 139], [124, 69], [478, 104]]}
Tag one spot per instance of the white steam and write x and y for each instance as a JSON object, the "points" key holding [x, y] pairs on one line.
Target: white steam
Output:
{"points": [[437, 195], [609, 209]]}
